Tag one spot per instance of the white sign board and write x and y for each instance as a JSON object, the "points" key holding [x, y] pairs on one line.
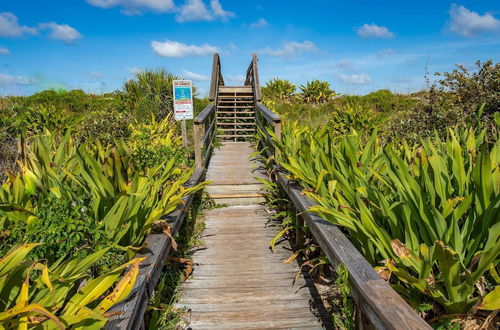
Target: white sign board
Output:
{"points": [[183, 99]]}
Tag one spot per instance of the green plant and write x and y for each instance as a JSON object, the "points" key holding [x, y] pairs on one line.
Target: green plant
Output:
{"points": [[34, 294], [316, 91], [344, 317], [121, 202], [279, 89], [409, 207], [149, 93]]}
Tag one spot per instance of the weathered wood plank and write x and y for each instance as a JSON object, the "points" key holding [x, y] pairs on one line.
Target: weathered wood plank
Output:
{"points": [[237, 280]]}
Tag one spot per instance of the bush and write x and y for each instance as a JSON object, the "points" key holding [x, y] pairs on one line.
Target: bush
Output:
{"points": [[316, 91], [149, 93], [279, 89]]}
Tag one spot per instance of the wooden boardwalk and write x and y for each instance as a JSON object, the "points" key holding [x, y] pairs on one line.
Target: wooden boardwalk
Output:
{"points": [[237, 282]]}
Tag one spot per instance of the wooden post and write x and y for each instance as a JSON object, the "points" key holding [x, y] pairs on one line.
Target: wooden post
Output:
{"points": [[197, 145], [277, 131], [299, 232], [184, 133]]}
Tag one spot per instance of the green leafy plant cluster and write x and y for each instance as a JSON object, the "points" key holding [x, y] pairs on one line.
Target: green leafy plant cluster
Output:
{"points": [[279, 89], [34, 294], [429, 213], [316, 91], [149, 92]]}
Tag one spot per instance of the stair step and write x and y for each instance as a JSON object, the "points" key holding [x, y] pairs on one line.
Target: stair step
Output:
{"points": [[236, 112], [230, 136], [228, 117], [236, 124], [226, 97], [235, 106], [237, 129], [235, 89], [235, 101]]}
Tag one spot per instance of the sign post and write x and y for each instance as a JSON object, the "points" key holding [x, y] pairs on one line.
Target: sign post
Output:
{"points": [[183, 104]]}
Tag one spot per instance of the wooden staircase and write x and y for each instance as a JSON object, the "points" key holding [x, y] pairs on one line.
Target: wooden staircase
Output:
{"points": [[235, 105], [235, 113]]}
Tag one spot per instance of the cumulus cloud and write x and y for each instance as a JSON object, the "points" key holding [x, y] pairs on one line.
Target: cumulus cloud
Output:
{"points": [[4, 51], [374, 31], [197, 10], [7, 80], [469, 23], [62, 32], [194, 76], [259, 24], [290, 49], [10, 27], [135, 7], [177, 49], [355, 79]]}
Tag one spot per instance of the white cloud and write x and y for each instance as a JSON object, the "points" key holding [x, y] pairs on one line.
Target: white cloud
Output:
{"points": [[10, 28], [196, 10], [96, 75], [171, 48], [136, 7], [355, 79], [291, 49], [469, 23], [374, 31], [4, 51], [259, 24], [62, 32], [218, 11], [194, 76], [7, 80]]}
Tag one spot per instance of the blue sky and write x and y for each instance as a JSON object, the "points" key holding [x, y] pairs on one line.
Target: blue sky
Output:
{"points": [[357, 46]]}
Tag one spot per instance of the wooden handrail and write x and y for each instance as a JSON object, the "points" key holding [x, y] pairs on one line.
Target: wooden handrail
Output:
{"points": [[270, 116], [217, 79], [204, 114], [252, 78], [272, 119], [204, 132]]}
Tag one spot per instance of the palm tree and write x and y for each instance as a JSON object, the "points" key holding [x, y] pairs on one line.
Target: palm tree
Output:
{"points": [[150, 92]]}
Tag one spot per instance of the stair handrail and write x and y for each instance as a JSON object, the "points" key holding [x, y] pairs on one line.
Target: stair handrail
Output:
{"points": [[217, 79], [252, 78]]}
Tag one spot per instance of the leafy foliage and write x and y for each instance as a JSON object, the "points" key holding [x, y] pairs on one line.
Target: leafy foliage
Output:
{"points": [[279, 89], [316, 91], [430, 214], [150, 92], [34, 294]]}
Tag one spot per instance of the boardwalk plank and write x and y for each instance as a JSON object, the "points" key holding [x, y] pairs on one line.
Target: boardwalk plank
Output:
{"points": [[237, 281]]}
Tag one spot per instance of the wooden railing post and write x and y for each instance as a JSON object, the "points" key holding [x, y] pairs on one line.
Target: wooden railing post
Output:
{"points": [[299, 231], [198, 160]]}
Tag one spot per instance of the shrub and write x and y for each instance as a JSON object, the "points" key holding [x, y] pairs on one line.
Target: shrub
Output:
{"points": [[35, 294], [279, 89], [429, 213], [149, 93], [316, 91]]}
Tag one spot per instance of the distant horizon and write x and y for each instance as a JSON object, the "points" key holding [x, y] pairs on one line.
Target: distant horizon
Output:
{"points": [[95, 45]]}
